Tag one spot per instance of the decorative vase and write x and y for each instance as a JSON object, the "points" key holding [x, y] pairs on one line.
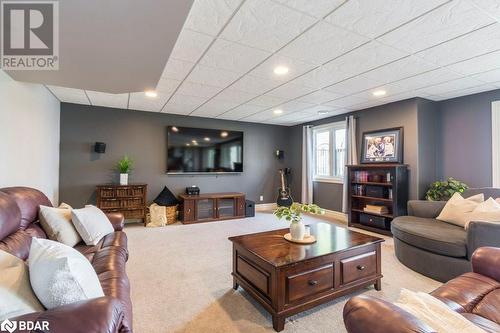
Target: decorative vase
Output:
{"points": [[123, 178], [297, 230]]}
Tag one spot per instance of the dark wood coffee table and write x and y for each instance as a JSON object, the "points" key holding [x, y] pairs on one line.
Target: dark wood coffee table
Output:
{"points": [[288, 278]]}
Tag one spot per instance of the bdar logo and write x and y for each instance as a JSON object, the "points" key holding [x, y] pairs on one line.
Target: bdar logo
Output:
{"points": [[8, 326]]}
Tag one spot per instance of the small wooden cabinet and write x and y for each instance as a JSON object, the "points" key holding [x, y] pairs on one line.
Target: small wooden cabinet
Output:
{"points": [[130, 200], [212, 207]]}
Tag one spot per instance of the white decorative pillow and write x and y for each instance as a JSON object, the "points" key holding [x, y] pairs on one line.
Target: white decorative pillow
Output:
{"points": [[488, 211], [92, 224], [60, 274], [456, 209], [56, 222], [17, 297], [65, 206]]}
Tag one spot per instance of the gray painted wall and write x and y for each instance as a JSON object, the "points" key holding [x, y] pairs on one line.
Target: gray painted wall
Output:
{"points": [[428, 127], [142, 135], [465, 138]]}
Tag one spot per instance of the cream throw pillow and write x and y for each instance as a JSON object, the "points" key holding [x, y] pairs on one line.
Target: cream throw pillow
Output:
{"points": [[457, 208], [16, 296], [488, 211], [60, 274], [56, 222], [92, 224]]}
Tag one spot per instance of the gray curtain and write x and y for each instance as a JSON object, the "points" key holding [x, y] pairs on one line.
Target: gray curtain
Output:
{"points": [[307, 165], [351, 156]]}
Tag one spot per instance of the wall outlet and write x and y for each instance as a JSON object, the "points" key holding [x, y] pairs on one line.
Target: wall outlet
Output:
{"points": [[261, 198]]}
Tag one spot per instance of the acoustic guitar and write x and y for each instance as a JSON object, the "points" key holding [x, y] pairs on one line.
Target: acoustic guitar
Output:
{"points": [[284, 195]]}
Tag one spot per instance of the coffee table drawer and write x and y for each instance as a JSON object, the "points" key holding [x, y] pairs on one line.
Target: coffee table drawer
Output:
{"points": [[309, 282], [358, 267]]}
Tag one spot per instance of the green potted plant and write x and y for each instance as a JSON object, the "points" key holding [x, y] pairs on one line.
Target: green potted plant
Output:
{"points": [[124, 166], [293, 214], [444, 190]]}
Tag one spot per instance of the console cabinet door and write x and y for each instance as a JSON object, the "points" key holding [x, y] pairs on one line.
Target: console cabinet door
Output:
{"points": [[226, 207], [240, 206], [188, 210], [205, 209]]}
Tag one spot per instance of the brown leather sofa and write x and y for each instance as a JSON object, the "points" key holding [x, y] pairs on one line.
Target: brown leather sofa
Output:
{"points": [[475, 295], [112, 313]]}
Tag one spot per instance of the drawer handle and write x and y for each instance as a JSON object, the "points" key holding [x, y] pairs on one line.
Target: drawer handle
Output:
{"points": [[312, 282], [359, 267]]}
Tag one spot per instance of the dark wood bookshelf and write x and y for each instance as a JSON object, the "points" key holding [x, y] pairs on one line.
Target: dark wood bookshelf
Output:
{"points": [[381, 185]]}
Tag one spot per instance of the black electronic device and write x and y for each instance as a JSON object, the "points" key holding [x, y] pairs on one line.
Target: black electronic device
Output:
{"points": [[193, 190], [100, 147], [249, 208]]}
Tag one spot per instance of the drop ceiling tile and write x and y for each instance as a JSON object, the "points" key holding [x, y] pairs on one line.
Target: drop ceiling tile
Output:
{"points": [[197, 89], [488, 77], [320, 96], [214, 107], [259, 117], [233, 57], [167, 86], [446, 87], [316, 8], [400, 69], [176, 69], [295, 68], [320, 78], [139, 101], [209, 16], [212, 76], [252, 84], [70, 95], [241, 111], [474, 44], [266, 25], [373, 18], [478, 64], [190, 45], [235, 96], [293, 106], [465, 92], [492, 7], [446, 22], [354, 85], [346, 102], [183, 104], [322, 43], [108, 100], [290, 90], [267, 101]]}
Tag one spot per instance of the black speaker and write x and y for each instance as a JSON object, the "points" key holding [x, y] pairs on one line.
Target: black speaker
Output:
{"points": [[249, 208], [100, 147], [280, 154]]}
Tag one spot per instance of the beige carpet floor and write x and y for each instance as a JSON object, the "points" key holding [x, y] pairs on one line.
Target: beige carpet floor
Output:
{"points": [[181, 281]]}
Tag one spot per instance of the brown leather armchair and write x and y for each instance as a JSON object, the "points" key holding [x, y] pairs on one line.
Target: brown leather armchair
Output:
{"points": [[112, 313], [475, 295]]}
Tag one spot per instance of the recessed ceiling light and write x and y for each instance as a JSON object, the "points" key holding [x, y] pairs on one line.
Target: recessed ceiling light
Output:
{"points": [[151, 93], [278, 111], [323, 111], [206, 139], [188, 144], [175, 129], [223, 134], [378, 93], [281, 70]]}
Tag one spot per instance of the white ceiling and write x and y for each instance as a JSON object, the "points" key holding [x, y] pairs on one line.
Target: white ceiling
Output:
{"points": [[338, 53]]}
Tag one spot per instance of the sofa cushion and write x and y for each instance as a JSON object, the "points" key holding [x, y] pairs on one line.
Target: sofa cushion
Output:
{"points": [[488, 307], [431, 235], [28, 200], [487, 325], [19, 242], [467, 290], [10, 216]]}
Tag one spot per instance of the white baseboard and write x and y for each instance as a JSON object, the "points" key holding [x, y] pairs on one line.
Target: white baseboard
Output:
{"points": [[265, 207]]}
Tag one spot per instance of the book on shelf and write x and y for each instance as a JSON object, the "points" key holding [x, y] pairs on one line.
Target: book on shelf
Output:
{"points": [[376, 209]]}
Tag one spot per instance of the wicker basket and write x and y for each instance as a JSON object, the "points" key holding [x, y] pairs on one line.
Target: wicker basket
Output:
{"points": [[172, 214]]}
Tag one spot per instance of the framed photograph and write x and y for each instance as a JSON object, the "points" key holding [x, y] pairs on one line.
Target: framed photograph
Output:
{"points": [[382, 146]]}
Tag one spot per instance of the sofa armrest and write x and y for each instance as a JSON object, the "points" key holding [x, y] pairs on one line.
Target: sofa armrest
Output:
{"points": [[425, 208], [486, 261], [98, 315], [117, 220], [368, 314], [481, 234]]}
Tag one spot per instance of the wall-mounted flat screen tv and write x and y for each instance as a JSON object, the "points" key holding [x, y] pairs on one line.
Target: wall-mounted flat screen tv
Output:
{"points": [[199, 150]]}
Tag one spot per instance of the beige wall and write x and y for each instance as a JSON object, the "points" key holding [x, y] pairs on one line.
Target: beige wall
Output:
{"points": [[29, 136]]}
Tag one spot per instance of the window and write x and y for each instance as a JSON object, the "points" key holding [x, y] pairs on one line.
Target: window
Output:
{"points": [[329, 152]]}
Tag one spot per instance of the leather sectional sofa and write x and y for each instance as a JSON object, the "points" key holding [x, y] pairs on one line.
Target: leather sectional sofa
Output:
{"points": [[112, 313], [475, 295]]}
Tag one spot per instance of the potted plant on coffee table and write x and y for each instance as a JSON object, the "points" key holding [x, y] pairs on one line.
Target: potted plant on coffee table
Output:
{"points": [[293, 214], [124, 166]]}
